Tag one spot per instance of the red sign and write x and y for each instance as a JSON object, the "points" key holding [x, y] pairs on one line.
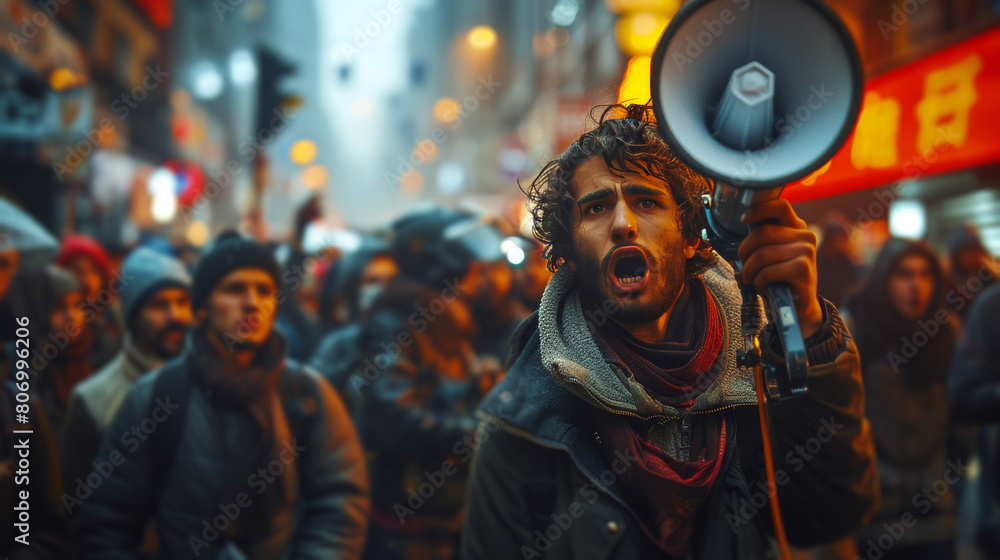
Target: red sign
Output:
{"points": [[936, 115]]}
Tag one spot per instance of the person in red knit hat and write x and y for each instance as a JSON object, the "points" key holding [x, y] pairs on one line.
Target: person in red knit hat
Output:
{"points": [[89, 263]]}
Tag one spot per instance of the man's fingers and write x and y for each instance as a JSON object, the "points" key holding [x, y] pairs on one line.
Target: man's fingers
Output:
{"points": [[799, 267], [769, 255], [771, 234], [779, 209]]}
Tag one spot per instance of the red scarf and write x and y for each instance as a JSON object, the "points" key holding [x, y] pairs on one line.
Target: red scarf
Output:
{"points": [[667, 493]]}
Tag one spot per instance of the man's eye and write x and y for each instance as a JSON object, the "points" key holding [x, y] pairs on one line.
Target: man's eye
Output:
{"points": [[595, 208], [646, 203]]}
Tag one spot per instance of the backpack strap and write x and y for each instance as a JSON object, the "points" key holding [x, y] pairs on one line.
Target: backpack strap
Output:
{"points": [[173, 381], [300, 400]]}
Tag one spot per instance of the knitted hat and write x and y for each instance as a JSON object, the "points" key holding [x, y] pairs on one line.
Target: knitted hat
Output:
{"points": [[230, 252], [75, 245], [144, 273]]}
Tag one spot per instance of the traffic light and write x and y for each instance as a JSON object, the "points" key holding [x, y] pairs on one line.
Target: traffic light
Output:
{"points": [[271, 96]]}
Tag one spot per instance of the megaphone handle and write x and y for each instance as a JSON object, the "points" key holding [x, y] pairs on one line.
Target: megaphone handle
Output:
{"points": [[782, 314]]}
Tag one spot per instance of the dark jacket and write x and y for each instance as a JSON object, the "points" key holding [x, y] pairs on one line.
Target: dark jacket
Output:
{"points": [[337, 355], [93, 405], [419, 392], [324, 508], [47, 516], [540, 487], [974, 393]]}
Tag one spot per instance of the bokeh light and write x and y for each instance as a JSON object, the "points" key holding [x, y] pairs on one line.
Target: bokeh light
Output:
{"points": [[447, 110], [482, 37], [303, 152], [314, 177]]}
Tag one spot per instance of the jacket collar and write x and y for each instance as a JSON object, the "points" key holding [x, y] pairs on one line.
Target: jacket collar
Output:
{"points": [[570, 355]]}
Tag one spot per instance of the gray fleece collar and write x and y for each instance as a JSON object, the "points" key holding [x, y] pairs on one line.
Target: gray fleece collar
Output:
{"points": [[569, 353]]}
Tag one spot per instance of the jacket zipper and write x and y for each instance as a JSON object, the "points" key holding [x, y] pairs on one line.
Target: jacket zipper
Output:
{"points": [[600, 404]]}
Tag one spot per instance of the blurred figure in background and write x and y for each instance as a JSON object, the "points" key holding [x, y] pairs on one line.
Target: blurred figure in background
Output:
{"points": [[421, 383], [294, 321], [349, 289], [974, 390], [972, 269], [248, 430], [834, 264], [906, 338], [156, 305], [91, 266], [44, 484], [421, 380], [63, 344]]}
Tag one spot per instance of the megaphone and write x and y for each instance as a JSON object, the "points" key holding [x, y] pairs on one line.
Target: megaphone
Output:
{"points": [[756, 94]]}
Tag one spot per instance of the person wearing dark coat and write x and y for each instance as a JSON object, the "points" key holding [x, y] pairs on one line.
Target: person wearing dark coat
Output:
{"points": [[625, 428], [252, 455], [45, 531], [157, 308], [906, 337], [349, 289], [972, 269], [63, 341], [974, 394], [420, 383]]}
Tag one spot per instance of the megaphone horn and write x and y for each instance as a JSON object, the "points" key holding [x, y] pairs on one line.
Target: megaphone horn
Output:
{"points": [[774, 82]]}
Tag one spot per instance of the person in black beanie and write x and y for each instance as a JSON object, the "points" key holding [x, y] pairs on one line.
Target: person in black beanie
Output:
{"points": [[250, 455]]}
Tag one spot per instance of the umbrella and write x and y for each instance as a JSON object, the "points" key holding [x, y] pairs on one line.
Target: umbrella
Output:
{"points": [[20, 231]]}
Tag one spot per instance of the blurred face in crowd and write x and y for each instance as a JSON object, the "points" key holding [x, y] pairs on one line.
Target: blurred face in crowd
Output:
{"points": [[67, 316], [9, 259], [374, 278], [487, 286], [627, 242], [241, 308], [911, 286], [160, 325], [88, 274], [968, 261]]}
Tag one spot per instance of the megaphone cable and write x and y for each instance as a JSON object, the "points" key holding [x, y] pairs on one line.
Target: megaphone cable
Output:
{"points": [[772, 486]]}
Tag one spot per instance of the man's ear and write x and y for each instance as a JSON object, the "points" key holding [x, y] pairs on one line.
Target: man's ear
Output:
{"points": [[691, 246]]}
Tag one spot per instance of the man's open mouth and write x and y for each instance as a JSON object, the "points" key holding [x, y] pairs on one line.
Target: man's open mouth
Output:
{"points": [[629, 269]]}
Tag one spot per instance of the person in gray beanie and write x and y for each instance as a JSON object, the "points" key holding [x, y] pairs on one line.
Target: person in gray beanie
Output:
{"points": [[234, 449], [156, 305]]}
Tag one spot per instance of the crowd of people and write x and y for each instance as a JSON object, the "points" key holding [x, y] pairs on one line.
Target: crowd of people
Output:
{"points": [[433, 399]]}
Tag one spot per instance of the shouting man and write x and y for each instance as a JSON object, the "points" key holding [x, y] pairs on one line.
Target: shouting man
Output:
{"points": [[626, 429]]}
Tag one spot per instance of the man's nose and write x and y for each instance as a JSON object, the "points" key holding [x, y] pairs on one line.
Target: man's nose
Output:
{"points": [[180, 313], [623, 228], [251, 299]]}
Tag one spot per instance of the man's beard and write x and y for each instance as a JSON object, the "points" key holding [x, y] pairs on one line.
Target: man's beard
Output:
{"points": [[159, 348], [666, 280]]}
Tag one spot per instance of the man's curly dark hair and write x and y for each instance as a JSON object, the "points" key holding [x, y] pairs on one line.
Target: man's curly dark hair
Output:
{"points": [[627, 139]]}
